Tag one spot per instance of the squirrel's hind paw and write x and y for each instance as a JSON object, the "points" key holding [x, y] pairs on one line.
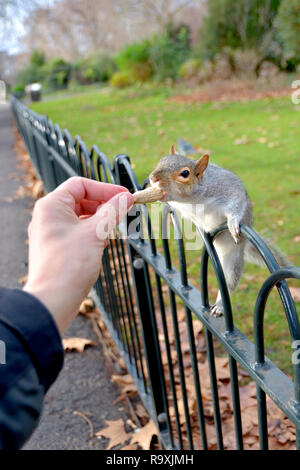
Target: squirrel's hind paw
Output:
{"points": [[217, 309], [234, 229]]}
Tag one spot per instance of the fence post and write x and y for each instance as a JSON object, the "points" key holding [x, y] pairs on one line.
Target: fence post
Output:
{"points": [[145, 308]]}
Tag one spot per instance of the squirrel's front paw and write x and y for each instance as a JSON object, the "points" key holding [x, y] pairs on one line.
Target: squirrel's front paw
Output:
{"points": [[234, 229]]}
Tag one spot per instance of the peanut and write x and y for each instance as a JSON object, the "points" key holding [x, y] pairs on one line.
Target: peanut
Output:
{"points": [[148, 195]]}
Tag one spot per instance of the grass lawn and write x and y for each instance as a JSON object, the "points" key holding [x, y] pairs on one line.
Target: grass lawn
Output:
{"points": [[144, 123]]}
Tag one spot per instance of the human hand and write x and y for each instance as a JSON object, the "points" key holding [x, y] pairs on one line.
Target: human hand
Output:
{"points": [[67, 236]]}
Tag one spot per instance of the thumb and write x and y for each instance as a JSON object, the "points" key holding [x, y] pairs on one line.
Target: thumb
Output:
{"points": [[110, 214]]}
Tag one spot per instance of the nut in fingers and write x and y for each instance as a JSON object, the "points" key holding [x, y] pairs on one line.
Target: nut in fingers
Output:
{"points": [[148, 195]]}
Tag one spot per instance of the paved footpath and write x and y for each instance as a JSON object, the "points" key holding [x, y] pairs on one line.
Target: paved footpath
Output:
{"points": [[84, 384]]}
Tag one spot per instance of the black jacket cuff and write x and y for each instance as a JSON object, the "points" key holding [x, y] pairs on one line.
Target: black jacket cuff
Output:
{"points": [[34, 325]]}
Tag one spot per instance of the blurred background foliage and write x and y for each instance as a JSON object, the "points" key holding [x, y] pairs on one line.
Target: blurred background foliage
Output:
{"points": [[165, 41]]}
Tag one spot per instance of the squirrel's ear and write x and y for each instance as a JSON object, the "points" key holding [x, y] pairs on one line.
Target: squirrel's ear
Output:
{"points": [[172, 150], [201, 165]]}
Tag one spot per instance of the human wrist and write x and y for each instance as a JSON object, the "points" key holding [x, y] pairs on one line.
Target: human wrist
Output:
{"points": [[55, 300]]}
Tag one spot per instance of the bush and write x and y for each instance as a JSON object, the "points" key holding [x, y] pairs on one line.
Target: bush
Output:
{"points": [[196, 72], [134, 60], [242, 24], [93, 69], [206, 72], [268, 70], [19, 91], [33, 72], [189, 69], [246, 62], [57, 73], [120, 80], [29, 74], [169, 50], [38, 58], [223, 65]]}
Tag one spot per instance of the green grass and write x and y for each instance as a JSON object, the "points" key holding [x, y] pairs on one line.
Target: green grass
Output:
{"points": [[144, 123]]}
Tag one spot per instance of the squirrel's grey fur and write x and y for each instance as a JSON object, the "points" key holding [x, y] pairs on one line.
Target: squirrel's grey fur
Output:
{"points": [[224, 199]]}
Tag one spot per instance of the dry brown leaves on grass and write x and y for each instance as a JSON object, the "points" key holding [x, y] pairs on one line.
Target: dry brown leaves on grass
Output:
{"points": [[230, 91]]}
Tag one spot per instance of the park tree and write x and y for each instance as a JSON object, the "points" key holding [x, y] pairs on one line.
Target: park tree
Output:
{"points": [[34, 71], [289, 29], [161, 12], [73, 29], [243, 24]]}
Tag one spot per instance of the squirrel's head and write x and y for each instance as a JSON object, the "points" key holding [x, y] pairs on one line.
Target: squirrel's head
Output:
{"points": [[178, 176]]}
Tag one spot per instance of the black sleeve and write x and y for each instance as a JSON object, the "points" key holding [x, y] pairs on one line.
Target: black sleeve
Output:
{"points": [[31, 357]]}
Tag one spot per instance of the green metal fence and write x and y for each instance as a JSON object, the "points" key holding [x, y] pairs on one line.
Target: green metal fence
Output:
{"points": [[139, 293]]}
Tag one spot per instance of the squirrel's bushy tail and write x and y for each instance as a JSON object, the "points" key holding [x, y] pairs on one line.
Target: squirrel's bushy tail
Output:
{"points": [[252, 255]]}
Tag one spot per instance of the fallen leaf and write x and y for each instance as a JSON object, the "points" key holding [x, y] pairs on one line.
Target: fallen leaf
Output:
{"points": [[115, 432], [241, 141], [141, 411], [131, 424], [23, 279], [261, 140], [144, 435], [20, 193], [128, 385], [37, 190], [122, 363], [247, 396], [86, 306], [76, 344], [123, 379], [244, 286], [295, 291], [130, 447], [181, 315]]}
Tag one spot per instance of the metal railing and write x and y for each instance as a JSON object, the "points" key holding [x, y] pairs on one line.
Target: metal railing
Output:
{"points": [[139, 292]]}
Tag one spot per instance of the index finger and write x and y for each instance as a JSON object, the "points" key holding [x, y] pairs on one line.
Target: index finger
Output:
{"points": [[80, 188]]}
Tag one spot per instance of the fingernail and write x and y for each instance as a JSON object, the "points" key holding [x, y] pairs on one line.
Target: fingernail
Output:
{"points": [[125, 201], [129, 198]]}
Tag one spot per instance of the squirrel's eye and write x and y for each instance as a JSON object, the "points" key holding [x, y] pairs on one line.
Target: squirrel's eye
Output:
{"points": [[185, 174]]}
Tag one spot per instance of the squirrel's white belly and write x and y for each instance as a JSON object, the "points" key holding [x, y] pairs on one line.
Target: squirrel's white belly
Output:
{"points": [[199, 214]]}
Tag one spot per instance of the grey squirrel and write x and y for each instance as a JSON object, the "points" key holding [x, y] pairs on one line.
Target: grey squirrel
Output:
{"points": [[184, 183]]}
